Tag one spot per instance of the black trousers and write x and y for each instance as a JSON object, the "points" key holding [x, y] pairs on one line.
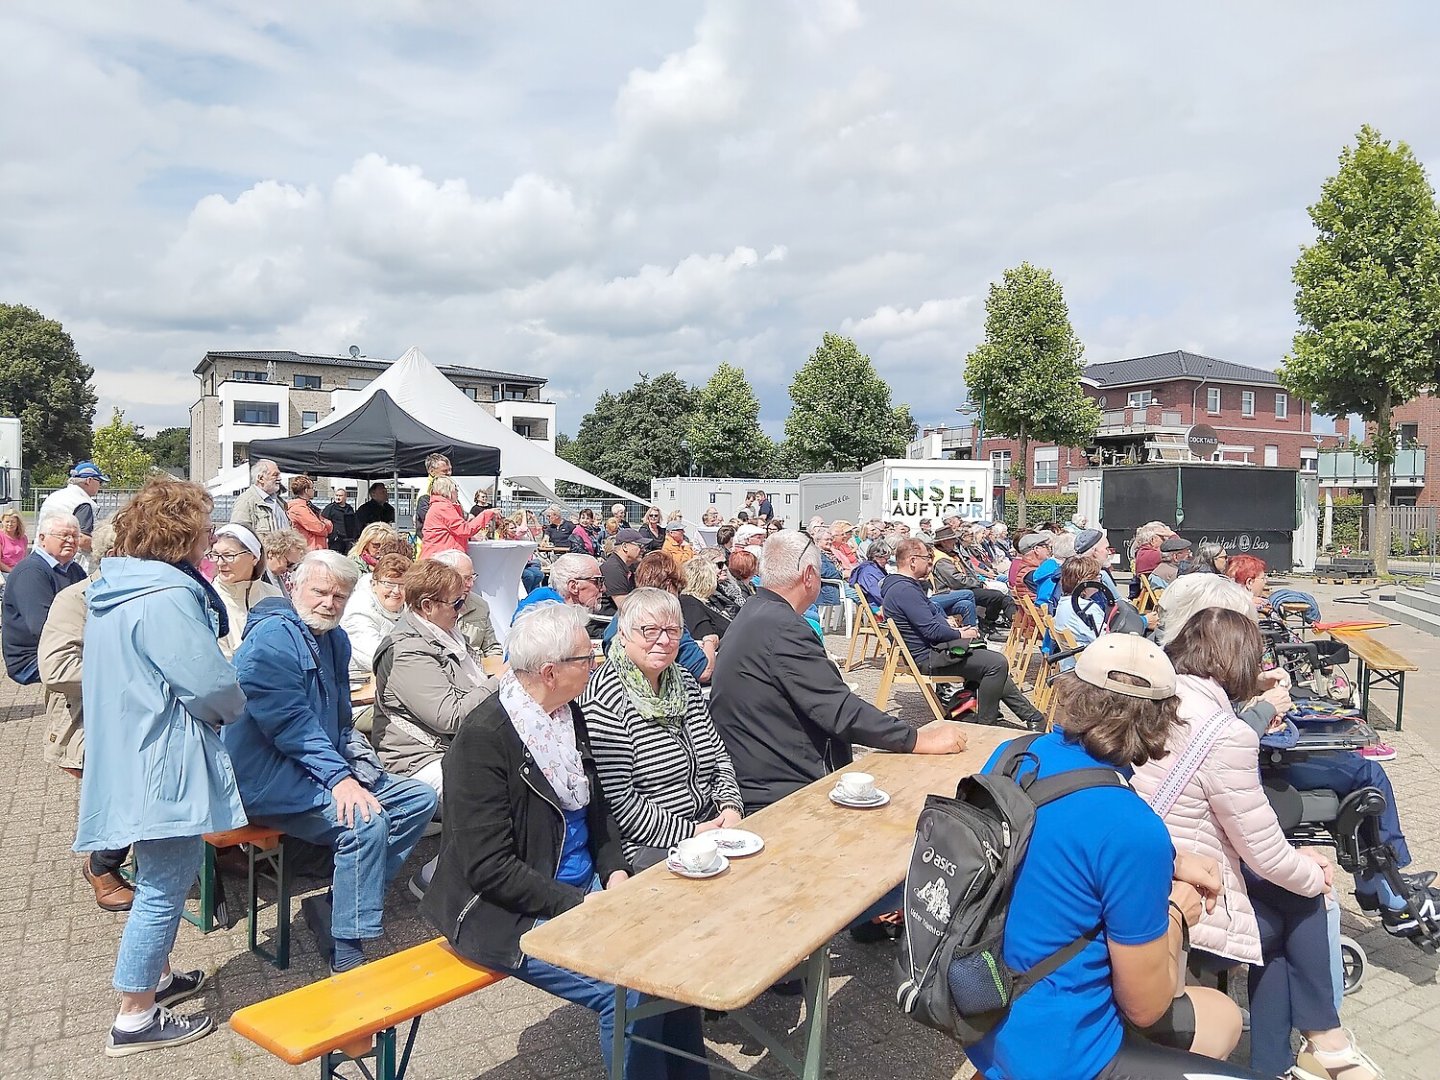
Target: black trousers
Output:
{"points": [[991, 674], [108, 862], [994, 604], [1141, 1060]]}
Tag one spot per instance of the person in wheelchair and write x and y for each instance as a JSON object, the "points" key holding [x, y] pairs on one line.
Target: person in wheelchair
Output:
{"points": [[1250, 574], [1343, 772], [1207, 789]]}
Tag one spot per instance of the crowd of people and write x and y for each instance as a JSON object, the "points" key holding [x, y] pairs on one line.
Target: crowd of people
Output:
{"points": [[307, 669]]}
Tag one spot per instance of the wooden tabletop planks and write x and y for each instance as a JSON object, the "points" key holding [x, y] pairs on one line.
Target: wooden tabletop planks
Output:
{"points": [[1374, 652], [721, 942]]}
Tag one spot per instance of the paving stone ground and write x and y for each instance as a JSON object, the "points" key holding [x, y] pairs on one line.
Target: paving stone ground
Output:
{"points": [[58, 950]]}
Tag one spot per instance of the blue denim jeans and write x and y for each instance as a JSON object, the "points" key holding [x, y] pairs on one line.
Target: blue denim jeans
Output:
{"points": [[532, 577], [683, 1029], [164, 872], [369, 854], [894, 900], [959, 602]]}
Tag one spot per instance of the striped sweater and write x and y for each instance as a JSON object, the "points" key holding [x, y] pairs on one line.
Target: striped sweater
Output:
{"points": [[658, 781]]}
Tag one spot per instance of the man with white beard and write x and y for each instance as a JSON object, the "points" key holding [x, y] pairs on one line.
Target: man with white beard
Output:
{"points": [[302, 767]]}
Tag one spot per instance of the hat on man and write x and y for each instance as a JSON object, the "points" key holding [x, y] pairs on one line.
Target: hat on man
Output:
{"points": [[629, 536], [1086, 539], [88, 470], [945, 532], [1034, 540], [1174, 544], [675, 526], [746, 533], [1127, 654]]}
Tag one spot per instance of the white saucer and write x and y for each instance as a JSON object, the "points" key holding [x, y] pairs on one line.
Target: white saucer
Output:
{"points": [[880, 799], [736, 843], [717, 867]]}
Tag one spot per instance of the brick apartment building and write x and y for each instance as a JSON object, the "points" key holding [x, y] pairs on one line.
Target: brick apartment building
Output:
{"points": [[1150, 402], [1414, 477]]}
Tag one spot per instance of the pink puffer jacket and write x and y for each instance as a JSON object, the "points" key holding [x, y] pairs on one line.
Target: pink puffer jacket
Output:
{"points": [[1223, 814]]}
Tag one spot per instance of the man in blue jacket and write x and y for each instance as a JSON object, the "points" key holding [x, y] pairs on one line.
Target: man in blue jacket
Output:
{"points": [[31, 588], [931, 637], [302, 767]]}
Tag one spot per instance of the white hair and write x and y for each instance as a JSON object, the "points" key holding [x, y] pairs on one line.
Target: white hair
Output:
{"points": [[647, 605], [568, 568], [259, 467], [1188, 595], [335, 566], [444, 487], [544, 634], [784, 557], [1000, 528], [56, 519], [452, 558]]}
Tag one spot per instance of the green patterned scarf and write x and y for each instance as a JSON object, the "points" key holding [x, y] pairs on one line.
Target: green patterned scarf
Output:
{"points": [[666, 708]]}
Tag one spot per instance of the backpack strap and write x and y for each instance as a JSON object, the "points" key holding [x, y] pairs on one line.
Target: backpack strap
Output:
{"points": [[1043, 792], [1054, 962], [1188, 763]]}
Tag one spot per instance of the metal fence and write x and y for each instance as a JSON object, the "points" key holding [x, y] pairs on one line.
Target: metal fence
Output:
{"points": [[1412, 535]]}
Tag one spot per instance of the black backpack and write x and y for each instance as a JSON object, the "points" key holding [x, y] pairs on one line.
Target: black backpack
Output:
{"points": [[953, 976]]}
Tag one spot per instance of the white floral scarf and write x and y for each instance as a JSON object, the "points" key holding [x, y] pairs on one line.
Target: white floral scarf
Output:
{"points": [[550, 738]]}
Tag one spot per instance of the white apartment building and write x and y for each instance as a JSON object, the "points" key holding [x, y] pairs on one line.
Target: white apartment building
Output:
{"points": [[269, 394]]}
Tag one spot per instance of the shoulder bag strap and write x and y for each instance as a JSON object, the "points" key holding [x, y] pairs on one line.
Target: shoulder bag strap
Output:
{"points": [[1188, 763]]}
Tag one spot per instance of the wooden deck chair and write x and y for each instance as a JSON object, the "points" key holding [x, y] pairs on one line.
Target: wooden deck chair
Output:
{"points": [[1149, 599], [1029, 641], [1066, 640], [865, 636], [901, 664]]}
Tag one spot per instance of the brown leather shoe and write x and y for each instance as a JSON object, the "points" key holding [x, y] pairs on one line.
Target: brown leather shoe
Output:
{"points": [[111, 892]]}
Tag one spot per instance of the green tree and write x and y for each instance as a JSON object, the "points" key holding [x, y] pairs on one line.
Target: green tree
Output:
{"points": [[1026, 373], [632, 437], [725, 436], [45, 384], [1367, 293], [170, 447], [841, 417], [121, 454]]}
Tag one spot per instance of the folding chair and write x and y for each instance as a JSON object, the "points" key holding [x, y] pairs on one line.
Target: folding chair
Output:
{"points": [[1066, 640], [900, 655], [867, 628], [1149, 599]]}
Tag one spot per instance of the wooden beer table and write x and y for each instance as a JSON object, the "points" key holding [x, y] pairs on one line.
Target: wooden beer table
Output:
{"points": [[719, 943]]}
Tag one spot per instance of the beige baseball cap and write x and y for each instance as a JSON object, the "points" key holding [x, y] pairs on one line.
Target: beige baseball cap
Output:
{"points": [[1127, 654]]}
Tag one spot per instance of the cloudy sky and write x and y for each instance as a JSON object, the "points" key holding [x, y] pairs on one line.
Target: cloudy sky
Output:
{"points": [[590, 191]]}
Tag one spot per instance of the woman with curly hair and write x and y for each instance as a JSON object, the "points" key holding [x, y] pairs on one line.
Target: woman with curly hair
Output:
{"points": [[158, 776]]}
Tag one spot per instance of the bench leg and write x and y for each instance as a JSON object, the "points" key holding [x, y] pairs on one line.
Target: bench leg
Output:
{"points": [[274, 860], [387, 1066], [203, 918]]}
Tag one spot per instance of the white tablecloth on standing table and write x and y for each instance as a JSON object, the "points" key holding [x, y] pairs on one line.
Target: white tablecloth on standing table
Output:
{"points": [[498, 564]]}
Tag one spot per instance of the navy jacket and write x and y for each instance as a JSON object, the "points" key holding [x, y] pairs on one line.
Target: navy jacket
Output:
{"points": [[29, 591], [919, 621]]}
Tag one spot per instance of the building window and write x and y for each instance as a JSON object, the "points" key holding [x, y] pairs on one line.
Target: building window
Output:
{"points": [[266, 413], [307, 382], [512, 394], [356, 383], [522, 429], [1138, 399], [240, 454], [1000, 462], [1272, 456], [1212, 401], [1047, 466], [1309, 459], [1282, 406], [249, 376], [1247, 402], [472, 392], [308, 420], [1407, 436]]}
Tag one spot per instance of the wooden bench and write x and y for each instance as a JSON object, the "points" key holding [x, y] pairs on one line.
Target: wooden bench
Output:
{"points": [[354, 1015], [1377, 665]]}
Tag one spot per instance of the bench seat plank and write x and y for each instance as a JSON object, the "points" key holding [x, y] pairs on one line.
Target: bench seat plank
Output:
{"points": [[258, 835], [338, 1012], [1375, 653]]}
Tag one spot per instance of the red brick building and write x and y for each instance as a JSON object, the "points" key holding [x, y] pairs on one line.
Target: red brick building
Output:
{"points": [[1414, 477], [1149, 403]]}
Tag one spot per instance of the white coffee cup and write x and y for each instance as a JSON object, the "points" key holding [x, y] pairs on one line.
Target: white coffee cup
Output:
{"points": [[695, 853], [856, 785]]}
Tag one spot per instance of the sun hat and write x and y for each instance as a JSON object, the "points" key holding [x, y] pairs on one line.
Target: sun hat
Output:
{"points": [[88, 470], [1127, 654], [746, 533]]}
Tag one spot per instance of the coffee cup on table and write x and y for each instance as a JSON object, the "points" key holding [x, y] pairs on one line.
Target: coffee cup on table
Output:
{"points": [[695, 853], [856, 785]]}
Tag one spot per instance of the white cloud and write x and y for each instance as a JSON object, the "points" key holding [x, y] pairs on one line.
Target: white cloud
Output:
{"points": [[891, 322]]}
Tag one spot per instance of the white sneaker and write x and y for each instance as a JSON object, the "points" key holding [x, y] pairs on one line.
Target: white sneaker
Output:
{"points": [[1352, 1063]]}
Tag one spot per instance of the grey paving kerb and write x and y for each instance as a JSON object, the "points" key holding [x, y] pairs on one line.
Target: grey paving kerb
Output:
{"points": [[57, 950]]}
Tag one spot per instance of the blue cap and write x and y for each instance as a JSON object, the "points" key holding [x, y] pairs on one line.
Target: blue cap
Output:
{"points": [[88, 470]]}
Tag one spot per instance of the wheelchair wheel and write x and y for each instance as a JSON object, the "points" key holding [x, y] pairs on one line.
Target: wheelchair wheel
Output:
{"points": [[1352, 964]]}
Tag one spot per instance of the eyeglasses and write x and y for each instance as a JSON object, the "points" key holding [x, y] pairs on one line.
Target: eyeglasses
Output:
{"points": [[598, 579], [456, 604], [652, 634], [588, 658], [391, 587], [222, 558], [800, 562]]}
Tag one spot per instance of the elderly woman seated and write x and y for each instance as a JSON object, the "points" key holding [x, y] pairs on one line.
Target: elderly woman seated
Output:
{"points": [[284, 548], [427, 682], [528, 833], [370, 614], [375, 541], [665, 772], [236, 553], [706, 612]]}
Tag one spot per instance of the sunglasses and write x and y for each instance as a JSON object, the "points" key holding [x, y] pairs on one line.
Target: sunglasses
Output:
{"points": [[456, 604]]}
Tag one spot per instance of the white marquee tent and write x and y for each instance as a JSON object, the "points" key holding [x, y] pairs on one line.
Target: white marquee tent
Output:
{"points": [[421, 390]]}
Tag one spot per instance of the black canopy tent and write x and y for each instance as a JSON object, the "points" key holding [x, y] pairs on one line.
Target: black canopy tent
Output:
{"points": [[378, 440]]}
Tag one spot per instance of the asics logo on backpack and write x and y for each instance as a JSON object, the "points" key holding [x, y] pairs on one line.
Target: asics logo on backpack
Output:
{"points": [[944, 865]]}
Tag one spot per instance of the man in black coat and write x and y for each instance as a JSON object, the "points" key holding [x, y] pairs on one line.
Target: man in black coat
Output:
{"points": [[342, 515], [376, 508], [30, 589], [777, 698]]}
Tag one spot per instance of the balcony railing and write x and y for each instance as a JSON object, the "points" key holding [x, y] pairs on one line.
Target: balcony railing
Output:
{"points": [[1346, 468], [1138, 420]]}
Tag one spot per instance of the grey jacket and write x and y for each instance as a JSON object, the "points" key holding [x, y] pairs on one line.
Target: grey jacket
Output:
{"points": [[475, 627], [258, 512], [421, 697]]}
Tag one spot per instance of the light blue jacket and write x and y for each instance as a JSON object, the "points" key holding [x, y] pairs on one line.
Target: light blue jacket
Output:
{"points": [[156, 690]]}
